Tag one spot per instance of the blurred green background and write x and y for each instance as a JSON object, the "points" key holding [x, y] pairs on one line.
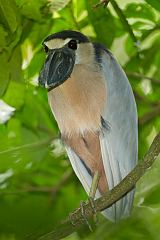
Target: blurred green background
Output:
{"points": [[37, 185]]}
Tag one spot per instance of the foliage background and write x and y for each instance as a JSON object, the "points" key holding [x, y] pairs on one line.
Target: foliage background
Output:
{"points": [[37, 185]]}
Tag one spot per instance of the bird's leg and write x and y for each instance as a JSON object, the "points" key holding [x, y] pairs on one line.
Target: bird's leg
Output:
{"points": [[94, 185], [92, 194]]}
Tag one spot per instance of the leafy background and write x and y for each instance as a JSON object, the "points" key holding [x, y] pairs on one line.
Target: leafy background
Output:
{"points": [[37, 185]]}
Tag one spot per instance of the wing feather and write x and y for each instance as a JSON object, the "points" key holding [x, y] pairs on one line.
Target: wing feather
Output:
{"points": [[119, 146], [79, 169]]}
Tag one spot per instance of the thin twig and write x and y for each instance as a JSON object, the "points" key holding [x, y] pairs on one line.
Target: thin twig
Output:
{"points": [[145, 100], [123, 20], [66, 228], [150, 115], [102, 2], [121, 17], [28, 145], [139, 75]]}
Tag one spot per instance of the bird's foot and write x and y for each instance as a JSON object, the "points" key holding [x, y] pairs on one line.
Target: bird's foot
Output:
{"points": [[71, 220], [92, 194], [95, 216], [84, 216]]}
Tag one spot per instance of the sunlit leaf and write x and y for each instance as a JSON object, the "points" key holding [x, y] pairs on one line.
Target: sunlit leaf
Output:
{"points": [[140, 10], [56, 5]]}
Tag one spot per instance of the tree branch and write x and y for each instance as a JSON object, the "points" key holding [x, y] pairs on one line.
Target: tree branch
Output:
{"points": [[123, 20], [102, 2], [120, 14], [144, 99], [66, 228], [138, 75], [149, 115]]}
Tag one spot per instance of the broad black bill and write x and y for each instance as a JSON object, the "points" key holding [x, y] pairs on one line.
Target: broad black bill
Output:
{"points": [[57, 68]]}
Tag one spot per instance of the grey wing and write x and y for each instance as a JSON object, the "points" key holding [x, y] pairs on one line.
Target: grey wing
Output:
{"points": [[119, 144]]}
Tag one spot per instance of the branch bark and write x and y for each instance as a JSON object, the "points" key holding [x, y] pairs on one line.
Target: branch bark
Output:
{"points": [[102, 2], [67, 227]]}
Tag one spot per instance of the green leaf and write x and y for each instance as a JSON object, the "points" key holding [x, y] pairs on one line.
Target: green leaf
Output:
{"points": [[129, 46], [15, 65], [149, 56], [153, 197], [58, 4], [154, 3], [14, 95], [3, 35], [79, 10], [38, 32], [102, 22], [4, 73], [139, 10], [31, 9], [35, 64], [9, 15]]}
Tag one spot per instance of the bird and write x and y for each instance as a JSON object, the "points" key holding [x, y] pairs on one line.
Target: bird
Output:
{"points": [[93, 103]]}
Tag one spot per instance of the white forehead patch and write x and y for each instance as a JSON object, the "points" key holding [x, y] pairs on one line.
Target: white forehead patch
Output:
{"points": [[56, 43]]}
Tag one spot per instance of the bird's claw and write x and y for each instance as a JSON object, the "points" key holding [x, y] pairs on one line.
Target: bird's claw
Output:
{"points": [[91, 202], [84, 216], [71, 220], [95, 217]]}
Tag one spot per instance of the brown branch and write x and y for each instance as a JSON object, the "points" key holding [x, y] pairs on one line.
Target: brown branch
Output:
{"points": [[143, 99], [138, 75], [150, 115], [66, 228], [102, 2]]}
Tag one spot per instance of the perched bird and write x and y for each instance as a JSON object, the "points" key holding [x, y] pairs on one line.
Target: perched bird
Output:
{"points": [[93, 104]]}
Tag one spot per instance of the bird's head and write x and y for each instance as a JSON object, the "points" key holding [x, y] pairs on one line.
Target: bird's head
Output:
{"points": [[63, 51]]}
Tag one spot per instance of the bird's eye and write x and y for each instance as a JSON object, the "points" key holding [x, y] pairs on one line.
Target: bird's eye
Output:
{"points": [[46, 49], [72, 44]]}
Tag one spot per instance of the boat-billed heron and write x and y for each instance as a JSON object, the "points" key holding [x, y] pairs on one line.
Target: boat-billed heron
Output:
{"points": [[93, 104]]}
